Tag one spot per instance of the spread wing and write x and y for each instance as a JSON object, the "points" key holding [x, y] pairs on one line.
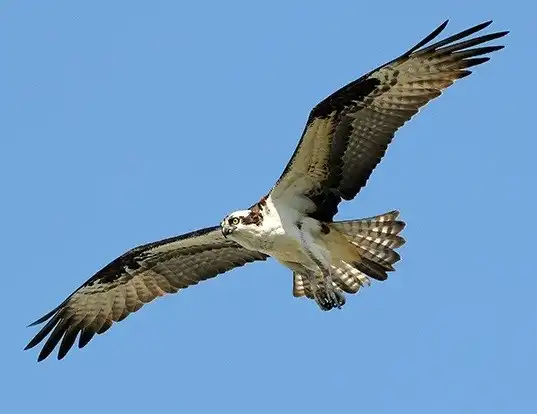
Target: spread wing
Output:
{"points": [[135, 278], [347, 134]]}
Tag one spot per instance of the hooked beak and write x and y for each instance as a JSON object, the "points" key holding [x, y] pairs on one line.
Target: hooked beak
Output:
{"points": [[226, 230]]}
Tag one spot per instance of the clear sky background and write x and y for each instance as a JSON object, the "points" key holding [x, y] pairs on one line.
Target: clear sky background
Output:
{"points": [[126, 122]]}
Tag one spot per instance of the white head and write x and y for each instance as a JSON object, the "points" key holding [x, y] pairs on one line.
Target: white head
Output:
{"points": [[241, 224]]}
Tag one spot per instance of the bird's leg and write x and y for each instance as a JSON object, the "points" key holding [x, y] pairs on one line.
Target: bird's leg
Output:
{"points": [[327, 295]]}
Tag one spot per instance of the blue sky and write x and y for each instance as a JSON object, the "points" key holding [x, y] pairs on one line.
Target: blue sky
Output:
{"points": [[126, 122]]}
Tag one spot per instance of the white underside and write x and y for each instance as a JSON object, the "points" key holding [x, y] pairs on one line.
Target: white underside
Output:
{"points": [[286, 234], [320, 261]]}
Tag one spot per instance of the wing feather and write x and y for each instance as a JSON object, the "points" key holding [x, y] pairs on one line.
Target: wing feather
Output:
{"points": [[134, 279], [348, 133]]}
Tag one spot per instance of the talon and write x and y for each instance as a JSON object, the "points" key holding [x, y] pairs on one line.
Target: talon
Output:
{"points": [[329, 299], [340, 299]]}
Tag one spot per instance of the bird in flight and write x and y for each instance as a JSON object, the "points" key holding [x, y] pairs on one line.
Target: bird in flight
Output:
{"points": [[345, 137]]}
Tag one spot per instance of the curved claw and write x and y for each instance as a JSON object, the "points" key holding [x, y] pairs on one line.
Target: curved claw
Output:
{"points": [[329, 299]]}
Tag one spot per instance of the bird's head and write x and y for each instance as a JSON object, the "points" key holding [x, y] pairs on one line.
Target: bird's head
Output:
{"points": [[240, 223], [234, 223]]}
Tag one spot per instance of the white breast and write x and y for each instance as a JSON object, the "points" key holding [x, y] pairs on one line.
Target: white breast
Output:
{"points": [[278, 235]]}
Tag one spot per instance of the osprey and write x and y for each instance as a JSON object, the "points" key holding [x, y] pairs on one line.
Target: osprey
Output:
{"points": [[345, 137]]}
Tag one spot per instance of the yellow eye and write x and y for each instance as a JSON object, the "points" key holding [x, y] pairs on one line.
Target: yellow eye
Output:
{"points": [[234, 221]]}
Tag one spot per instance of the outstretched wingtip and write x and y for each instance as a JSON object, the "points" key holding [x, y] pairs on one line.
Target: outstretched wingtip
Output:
{"points": [[37, 322], [39, 358], [49, 315], [427, 39]]}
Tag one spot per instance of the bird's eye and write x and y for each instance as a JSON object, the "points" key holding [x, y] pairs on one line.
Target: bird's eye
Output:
{"points": [[234, 221]]}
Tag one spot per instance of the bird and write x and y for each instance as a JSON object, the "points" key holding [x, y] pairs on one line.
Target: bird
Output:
{"points": [[345, 137]]}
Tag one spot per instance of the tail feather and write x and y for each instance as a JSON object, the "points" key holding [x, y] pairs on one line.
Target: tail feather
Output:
{"points": [[301, 286], [346, 277], [373, 241], [370, 268], [375, 238]]}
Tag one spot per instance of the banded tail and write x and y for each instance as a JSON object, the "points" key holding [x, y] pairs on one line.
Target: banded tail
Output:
{"points": [[361, 250]]}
